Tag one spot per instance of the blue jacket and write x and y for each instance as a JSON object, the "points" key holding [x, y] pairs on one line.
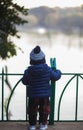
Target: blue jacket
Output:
{"points": [[38, 77]]}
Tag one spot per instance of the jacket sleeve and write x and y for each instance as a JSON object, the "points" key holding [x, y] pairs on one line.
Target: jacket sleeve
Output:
{"points": [[55, 75], [25, 78]]}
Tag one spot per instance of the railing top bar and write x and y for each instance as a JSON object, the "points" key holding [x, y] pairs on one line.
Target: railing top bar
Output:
{"points": [[72, 73], [22, 74], [11, 74]]}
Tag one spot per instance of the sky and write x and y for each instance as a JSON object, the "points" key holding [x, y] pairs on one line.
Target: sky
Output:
{"points": [[49, 3]]}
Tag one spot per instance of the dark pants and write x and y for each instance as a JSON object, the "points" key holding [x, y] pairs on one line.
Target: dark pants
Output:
{"points": [[40, 105]]}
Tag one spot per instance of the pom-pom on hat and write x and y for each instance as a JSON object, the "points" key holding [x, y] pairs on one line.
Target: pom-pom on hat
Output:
{"points": [[37, 56]]}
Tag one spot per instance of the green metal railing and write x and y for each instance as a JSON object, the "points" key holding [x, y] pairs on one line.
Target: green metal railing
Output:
{"points": [[52, 99], [73, 76], [3, 80]]}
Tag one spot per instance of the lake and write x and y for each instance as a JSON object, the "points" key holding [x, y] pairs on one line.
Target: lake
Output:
{"points": [[68, 52]]}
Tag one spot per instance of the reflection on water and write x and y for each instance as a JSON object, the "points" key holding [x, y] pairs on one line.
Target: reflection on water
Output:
{"points": [[69, 59], [65, 48]]}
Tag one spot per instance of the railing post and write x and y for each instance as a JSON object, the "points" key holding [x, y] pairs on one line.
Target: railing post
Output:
{"points": [[76, 111], [52, 99], [26, 103], [2, 94]]}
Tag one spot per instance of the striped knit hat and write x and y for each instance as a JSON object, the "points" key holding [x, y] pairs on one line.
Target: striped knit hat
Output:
{"points": [[37, 56]]}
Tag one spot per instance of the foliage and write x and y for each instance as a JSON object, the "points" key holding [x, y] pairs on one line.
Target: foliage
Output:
{"points": [[10, 17]]}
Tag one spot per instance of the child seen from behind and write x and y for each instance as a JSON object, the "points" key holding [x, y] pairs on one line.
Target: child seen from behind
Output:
{"points": [[37, 76]]}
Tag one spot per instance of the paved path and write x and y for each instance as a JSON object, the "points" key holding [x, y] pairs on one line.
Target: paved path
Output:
{"points": [[56, 126]]}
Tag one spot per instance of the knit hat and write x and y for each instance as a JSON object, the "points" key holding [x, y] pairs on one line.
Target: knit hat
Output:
{"points": [[37, 56]]}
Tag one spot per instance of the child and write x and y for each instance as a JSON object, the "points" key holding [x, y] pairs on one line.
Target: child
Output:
{"points": [[37, 77]]}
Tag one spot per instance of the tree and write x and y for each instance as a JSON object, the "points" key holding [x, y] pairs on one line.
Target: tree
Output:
{"points": [[10, 16]]}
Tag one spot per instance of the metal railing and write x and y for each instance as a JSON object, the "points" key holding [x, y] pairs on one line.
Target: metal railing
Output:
{"points": [[77, 77], [11, 94], [73, 76]]}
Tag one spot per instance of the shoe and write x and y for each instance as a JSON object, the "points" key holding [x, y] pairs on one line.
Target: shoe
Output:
{"points": [[43, 127], [32, 127]]}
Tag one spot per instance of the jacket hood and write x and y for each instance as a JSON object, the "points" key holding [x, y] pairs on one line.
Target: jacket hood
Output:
{"points": [[38, 69]]}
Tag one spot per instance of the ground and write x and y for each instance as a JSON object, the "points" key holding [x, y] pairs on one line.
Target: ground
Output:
{"points": [[56, 126]]}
